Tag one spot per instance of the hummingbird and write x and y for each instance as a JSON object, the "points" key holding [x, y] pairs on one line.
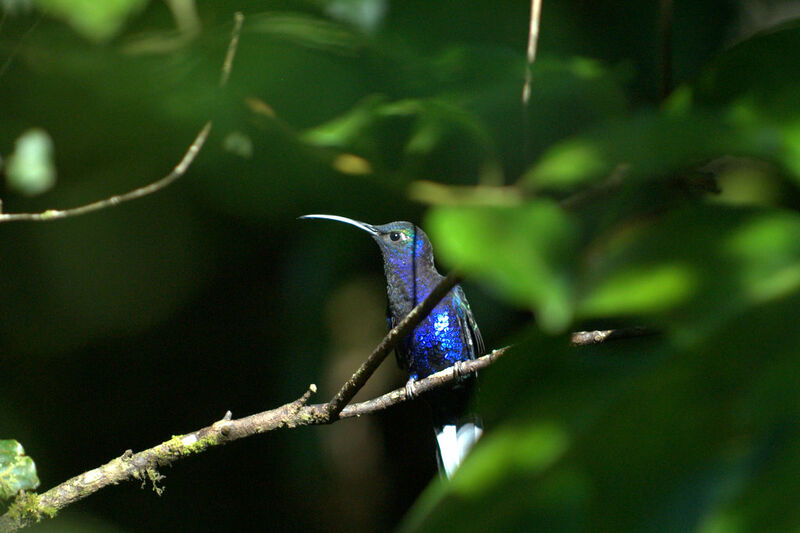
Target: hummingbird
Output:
{"points": [[448, 336]]}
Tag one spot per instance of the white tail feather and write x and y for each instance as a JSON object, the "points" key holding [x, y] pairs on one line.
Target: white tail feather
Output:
{"points": [[455, 444]]}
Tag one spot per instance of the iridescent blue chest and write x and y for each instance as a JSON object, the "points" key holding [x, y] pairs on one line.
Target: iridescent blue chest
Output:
{"points": [[438, 342]]}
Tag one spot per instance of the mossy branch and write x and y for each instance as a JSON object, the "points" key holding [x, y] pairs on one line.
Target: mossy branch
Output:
{"points": [[30, 508]]}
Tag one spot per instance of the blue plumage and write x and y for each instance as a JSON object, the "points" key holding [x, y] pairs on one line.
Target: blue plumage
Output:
{"points": [[447, 335]]}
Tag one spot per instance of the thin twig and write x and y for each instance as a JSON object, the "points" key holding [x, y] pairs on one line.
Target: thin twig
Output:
{"points": [[227, 65], [427, 384], [360, 377], [179, 170], [533, 40], [586, 338]]}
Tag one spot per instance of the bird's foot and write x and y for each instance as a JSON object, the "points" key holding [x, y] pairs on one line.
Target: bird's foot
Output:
{"points": [[458, 370], [411, 389]]}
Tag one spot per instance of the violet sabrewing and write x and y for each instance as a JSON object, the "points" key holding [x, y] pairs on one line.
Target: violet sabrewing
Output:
{"points": [[446, 336]]}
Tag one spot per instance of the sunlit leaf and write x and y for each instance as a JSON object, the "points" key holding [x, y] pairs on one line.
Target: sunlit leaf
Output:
{"points": [[638, 432], [648, 145], [525, 252], [95, 20], [17, 470], [695, 267], [30, 169]]}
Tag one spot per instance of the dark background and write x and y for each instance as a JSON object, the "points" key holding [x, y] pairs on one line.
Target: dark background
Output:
{"points": [[123, 327]]}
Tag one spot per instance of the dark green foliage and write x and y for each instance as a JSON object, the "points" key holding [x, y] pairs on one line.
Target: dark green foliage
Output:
{"points": [[602, 205]]}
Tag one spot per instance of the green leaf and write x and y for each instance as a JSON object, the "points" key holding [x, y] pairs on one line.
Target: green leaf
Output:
{"points": [[17, 470], [757, 82], [744, 104], [306, 31], [511, 452], [98, 21], [30, 169], [690, 435], [760, 73], [648, 145], [525, 252], [694, 267]]}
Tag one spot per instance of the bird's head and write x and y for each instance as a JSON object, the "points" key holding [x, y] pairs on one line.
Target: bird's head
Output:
{"points": [[402, 243]]}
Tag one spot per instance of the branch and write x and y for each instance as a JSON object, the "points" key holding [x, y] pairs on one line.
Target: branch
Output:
{"points": [[586, 338], [179, 170], [354, 384], [30, 507], [434, 381], [533, 40]]}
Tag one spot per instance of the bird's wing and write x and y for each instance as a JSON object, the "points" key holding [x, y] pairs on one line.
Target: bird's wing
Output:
{"points": [[467, 321]]}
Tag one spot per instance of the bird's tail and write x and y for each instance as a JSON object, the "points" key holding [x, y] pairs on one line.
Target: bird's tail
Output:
{"points": [[455, 441], [456, 429]]}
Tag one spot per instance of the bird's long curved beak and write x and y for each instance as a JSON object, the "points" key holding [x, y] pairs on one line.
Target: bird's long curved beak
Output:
{"points": [[369, 228]]}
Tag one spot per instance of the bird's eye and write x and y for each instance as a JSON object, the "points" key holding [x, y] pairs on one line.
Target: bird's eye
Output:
{"points": [[395, 235]]}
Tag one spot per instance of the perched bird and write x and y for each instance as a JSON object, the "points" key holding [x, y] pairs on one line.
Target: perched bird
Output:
{"points": [[448, 335]]}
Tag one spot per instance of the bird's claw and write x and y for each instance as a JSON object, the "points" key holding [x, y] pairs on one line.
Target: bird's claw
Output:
{"points": [[411, 389], [458, 370]]}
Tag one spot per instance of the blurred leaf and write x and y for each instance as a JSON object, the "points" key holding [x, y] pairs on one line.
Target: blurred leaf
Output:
{"points": [[760, 71], [238, 143], [306, 31], [352, 164], [405, 132], [743, 104], [483, 483], [366, 15], [17, 470], [695, 267], [14, 7], [655, 434], [345, 130], [758, 81], [648, 145], [30, 169], [525, 252], [568, 95], [98, 21]]}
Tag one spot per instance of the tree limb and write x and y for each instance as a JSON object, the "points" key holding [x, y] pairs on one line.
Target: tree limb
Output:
{"points": [[354, 384], [30, 508]]}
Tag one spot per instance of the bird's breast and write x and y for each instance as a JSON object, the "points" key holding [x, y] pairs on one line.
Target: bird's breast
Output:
{"points": [[436, 343]]}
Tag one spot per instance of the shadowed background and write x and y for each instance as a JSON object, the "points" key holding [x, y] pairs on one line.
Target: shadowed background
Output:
{"points": [[124, 327]]}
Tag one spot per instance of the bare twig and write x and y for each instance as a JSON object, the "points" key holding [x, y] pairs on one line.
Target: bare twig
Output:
{"points": [[586, 338], [227, 65], [533, 40], [434, 381], [179, 170]]}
